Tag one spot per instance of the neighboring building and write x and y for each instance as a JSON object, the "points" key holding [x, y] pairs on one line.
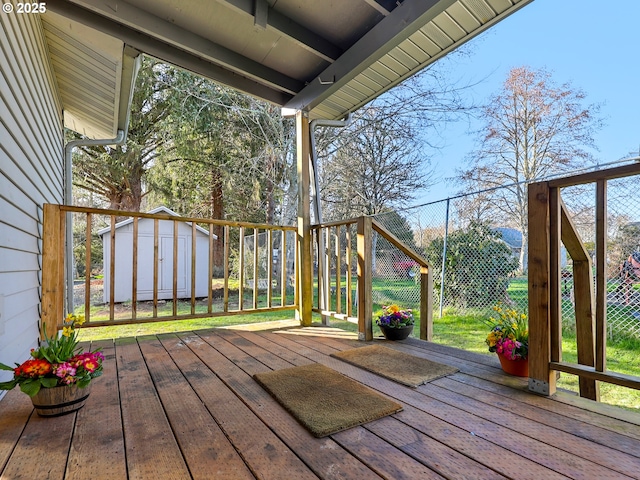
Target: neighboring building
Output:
{"points": [[124, 259], [513, 238]]}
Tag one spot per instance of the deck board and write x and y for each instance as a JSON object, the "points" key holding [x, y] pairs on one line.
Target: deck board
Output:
{"points": [[186, 406]]}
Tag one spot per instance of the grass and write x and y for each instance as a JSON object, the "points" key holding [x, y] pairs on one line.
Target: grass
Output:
{"points": [[119, 331], [468, 332]]}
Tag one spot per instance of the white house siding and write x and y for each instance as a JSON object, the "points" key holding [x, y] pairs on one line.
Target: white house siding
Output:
{"points": [[31, 174]]}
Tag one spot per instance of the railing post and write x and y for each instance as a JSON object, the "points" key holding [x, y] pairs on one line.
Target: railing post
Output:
{"points": [[541, 378], [365, 303], [305, 285], [426, 304], [52, 270]]}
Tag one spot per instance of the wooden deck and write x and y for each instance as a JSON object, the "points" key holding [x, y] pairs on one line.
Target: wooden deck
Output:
{"points": [[180, 406]]}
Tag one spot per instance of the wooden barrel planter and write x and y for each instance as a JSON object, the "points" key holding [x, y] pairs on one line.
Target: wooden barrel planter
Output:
{"points": [[56, 401]]}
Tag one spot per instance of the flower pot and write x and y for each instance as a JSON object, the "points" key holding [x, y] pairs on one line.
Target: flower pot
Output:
{"points": [[391, 333], [518, 367], [56, 401]]}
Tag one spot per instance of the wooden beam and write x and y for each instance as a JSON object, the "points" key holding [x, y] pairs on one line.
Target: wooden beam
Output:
{"points": [[365, 303], [52, 270], [571, 238], [305, 271], [541, 378], [629, 381]]}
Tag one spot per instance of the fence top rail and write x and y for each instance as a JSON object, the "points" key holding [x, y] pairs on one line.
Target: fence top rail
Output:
{"points": [[164, 216], [590, 177]]}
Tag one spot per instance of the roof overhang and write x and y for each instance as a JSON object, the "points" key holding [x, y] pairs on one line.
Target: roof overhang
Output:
{"points": [[94, 73], [327, 57]]}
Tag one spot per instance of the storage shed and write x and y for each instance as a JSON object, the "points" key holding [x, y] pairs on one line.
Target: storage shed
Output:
{"points": [[124, 259]]}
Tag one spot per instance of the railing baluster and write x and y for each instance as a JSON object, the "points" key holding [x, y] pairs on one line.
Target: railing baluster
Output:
{"points": [[283, 269], [269, 266], [210, 270], [327, 268], [241, 271], [338, 271], [134, 269], [112, 269], [225, 299], [601, 276], [156, 259], [87, 269], [175, 268], [296, 274], [256, 284], [349, 298], [193, 267]]}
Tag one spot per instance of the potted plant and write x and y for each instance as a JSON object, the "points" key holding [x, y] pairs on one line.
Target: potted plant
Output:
{"points": [[59, 374], [509, 338], [395, 323]]}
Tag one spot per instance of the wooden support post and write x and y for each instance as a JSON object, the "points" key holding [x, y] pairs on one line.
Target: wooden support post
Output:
{"points": [[305, 275], [365, 304], [52, 270], [601, 276], [426, 304], [541, 378]]}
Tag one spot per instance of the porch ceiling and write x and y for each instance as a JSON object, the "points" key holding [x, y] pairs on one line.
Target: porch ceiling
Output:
{"points": [[325, 57], [95, 74]]}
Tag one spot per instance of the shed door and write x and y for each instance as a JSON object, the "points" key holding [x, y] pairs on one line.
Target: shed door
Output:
{"points": [[166, 265]]}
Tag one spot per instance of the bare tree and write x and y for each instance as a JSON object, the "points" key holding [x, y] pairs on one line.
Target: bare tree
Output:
{"points": [[376, 167], [532, 129]]}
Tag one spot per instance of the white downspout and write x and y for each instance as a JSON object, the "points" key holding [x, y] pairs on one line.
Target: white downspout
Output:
{"points": [[68, 200]]}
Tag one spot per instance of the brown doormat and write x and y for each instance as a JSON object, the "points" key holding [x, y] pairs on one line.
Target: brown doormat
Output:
{"points": [[323, 400], [394, 365]]}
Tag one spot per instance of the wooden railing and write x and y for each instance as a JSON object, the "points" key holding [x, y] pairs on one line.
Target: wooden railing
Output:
{"points": [[550, 225], [264, 265], [335, 258]]}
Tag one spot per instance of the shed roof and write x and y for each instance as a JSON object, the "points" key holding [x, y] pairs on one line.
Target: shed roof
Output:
{"points": [[326, 57], [161, 209]]}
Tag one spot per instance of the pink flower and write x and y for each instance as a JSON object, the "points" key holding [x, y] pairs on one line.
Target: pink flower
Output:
{"points": [[63, 370]]}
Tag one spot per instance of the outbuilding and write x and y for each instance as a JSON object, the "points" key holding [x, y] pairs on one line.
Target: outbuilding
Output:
{"points": [[145, 273]]}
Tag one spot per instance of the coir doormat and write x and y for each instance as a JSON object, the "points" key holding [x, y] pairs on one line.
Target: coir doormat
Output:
{"points": [[394, 365], [323, 400]]}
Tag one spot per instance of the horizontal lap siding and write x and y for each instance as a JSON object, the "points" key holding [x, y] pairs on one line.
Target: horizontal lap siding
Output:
{"points": [[31, 174]]}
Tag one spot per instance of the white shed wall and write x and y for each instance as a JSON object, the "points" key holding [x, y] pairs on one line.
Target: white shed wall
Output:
{"points": [[31, 174], [124, 262]]}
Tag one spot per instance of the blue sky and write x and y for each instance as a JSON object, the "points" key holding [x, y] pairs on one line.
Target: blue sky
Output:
{"points": [[585, 42]]}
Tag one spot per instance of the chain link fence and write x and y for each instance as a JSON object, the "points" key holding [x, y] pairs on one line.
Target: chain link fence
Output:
{"points": [[477, 252]]}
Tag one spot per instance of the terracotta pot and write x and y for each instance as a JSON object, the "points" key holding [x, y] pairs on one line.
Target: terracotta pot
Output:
{"points": [[56, 401], [391, 333], [518, 367]]}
